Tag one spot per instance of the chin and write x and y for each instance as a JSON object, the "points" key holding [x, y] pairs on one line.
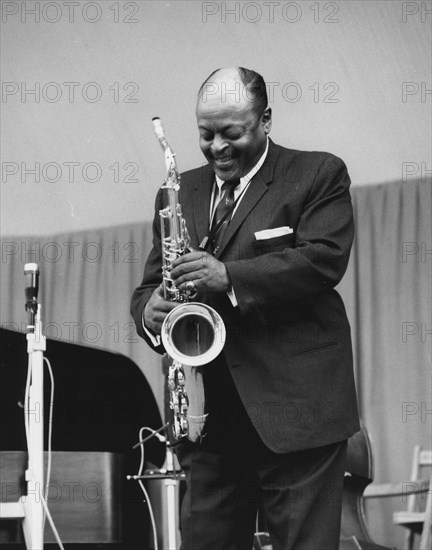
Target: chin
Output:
{"points": [[226, 175]]}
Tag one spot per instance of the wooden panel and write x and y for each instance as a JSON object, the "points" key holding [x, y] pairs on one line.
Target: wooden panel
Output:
{"points": [[84, 493]]}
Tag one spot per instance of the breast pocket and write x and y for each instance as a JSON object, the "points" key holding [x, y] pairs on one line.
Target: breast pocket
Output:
{"points": [[274, 243]]}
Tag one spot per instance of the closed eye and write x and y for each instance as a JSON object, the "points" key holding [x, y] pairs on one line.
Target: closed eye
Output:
{"points": [[232, 136], [207, 136]]}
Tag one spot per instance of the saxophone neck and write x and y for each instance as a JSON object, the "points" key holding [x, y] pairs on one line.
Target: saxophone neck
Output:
{"points": [[172, 173]]}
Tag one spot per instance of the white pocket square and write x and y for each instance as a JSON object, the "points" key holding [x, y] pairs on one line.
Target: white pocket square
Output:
{"points": [[271, 233]]}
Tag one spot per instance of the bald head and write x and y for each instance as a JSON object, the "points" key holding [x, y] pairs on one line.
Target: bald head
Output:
{"points": [[235, 84]]}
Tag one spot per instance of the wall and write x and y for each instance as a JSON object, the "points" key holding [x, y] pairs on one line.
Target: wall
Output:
{"points": [[336, 71]]}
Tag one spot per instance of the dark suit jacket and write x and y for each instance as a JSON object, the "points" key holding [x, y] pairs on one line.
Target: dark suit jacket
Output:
{"points": [[288, 343]]}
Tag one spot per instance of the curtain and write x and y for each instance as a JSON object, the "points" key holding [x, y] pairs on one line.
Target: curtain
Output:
{"points": [[387, 293], [86, 282], [87, 279]]}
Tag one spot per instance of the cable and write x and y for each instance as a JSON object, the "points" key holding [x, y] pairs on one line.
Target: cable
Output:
{"points": [[156, 433], [257, 533], [50, 424], [44, 497], [26, 402], [51, 521]]}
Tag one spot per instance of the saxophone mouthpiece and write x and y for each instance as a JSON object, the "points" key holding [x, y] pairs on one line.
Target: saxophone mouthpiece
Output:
{"points": [[158, 128]]}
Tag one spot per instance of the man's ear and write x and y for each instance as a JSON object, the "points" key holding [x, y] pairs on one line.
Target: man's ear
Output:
{"points": [[267, 120]]}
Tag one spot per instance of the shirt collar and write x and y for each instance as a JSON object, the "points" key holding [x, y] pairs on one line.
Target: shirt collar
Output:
{"points": [[246, 179]]}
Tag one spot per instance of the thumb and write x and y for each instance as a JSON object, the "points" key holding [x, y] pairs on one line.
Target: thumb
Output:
{"points": [[160, 290]]}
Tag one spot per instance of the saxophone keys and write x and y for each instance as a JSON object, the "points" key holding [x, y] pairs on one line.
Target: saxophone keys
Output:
{"points": [[184, 427], [181, 378]]}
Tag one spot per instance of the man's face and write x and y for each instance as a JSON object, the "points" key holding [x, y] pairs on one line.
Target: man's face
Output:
{"points": [[232, 136]]}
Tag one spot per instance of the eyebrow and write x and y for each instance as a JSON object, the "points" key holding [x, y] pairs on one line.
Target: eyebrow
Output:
{"points": [[224, 128]]}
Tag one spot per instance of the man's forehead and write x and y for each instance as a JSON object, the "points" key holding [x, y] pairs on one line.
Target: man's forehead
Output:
{"points": [[223, 78], [224, 101], [225, 86]]}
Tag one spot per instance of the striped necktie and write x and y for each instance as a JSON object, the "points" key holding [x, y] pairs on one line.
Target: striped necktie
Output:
{"points": [[225, 203]]}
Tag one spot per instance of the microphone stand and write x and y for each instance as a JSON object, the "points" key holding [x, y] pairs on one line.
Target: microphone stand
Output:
{"points": [[34, 517], [170, 477], [29, 508], [170, 484]]}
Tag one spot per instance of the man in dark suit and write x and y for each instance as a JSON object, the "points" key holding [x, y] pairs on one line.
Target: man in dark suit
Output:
{"points": [[280, 397]]}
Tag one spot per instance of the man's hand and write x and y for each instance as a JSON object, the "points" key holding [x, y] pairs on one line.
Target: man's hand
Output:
{"points": [[207, 273], [157, 308]]}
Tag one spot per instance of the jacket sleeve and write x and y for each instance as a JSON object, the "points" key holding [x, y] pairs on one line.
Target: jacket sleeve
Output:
{"points": [[317, 262], [151, 280]]}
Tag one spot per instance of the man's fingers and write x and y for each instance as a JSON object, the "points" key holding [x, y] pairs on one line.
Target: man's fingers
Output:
{"points": [[159, 295], [196, 255], [155, 312], [183, 269], [160, 304], [167, 306], [184, 279], [158, 318], [160, 290]]}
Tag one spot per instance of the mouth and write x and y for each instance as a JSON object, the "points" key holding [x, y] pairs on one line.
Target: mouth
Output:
{"points": [[223, 162]]}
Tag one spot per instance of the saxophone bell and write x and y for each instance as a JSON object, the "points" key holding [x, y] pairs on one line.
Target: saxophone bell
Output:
{"points": [[193, 334]]}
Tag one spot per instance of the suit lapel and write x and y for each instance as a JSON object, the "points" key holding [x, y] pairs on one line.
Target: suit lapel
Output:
{"points": [[201, 201], [256, 189]]}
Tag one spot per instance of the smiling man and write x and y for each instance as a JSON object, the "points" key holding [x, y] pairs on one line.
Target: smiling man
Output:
{"points": [[275, 227], [233, 132]]}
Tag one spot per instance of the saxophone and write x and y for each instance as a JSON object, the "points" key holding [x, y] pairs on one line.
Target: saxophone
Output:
{"points": [[193, 334]]}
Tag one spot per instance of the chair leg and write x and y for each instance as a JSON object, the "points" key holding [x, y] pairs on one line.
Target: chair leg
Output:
{"points": [[425, 540], [410, 537]]}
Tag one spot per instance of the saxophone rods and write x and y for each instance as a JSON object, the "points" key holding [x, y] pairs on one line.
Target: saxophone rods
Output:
{"points": [[193, 333]]}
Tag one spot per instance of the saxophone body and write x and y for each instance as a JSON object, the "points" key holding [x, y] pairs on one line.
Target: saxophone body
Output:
{"points": [[193, 333]]}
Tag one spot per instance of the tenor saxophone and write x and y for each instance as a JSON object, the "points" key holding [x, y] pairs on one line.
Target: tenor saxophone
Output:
{"points": [[193, 333]]}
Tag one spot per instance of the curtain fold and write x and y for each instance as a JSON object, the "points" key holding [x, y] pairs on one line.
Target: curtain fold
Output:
{"points": [[87, 279]]}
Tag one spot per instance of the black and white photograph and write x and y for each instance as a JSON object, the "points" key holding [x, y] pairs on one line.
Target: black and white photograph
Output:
{"points": [[216, 251]]}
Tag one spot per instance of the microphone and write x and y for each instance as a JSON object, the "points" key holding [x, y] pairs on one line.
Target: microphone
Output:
{"points": [[31, 274]]}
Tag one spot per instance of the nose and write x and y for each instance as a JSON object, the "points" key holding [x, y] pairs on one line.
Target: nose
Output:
{"points": [[218, 145]]}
